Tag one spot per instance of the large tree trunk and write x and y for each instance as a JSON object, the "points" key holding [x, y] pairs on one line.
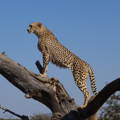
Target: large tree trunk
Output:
{"points": [[51, 92]]}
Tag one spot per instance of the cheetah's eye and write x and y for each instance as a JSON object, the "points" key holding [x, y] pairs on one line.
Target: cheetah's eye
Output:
{"points": [[30, 26]]}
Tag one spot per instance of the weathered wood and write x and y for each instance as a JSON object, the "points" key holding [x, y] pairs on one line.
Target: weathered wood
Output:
{"points": [[51, 92], [48, 91]]}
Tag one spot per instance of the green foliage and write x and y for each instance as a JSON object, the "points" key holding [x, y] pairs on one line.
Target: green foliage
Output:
{"points": [[111, 110]]}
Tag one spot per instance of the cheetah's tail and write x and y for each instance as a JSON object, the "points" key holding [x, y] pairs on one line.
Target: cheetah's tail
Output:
{"points": [[92, 80]]}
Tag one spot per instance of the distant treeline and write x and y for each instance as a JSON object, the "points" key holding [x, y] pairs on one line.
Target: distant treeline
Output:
{"points": [[34, 117]]}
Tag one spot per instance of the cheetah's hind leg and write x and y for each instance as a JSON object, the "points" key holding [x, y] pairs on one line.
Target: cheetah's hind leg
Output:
{"points": [[80, 80], [86, 95]]}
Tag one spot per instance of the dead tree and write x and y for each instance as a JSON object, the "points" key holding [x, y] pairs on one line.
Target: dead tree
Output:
{"points": [[51, 92]]}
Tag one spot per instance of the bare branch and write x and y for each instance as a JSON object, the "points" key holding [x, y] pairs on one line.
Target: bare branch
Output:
{"points": [[39, 66], [22, 117]]}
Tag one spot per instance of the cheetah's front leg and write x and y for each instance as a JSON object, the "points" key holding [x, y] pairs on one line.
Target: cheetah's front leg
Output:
{"points": [[45, 65]]}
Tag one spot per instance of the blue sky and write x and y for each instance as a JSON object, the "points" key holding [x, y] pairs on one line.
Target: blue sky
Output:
{"points": [[91, 29]]}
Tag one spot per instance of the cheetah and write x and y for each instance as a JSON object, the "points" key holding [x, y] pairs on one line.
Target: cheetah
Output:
{"points": [[53, 51]]}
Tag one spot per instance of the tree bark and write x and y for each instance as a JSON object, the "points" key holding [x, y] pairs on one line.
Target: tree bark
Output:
{"points": [[51, 92]]}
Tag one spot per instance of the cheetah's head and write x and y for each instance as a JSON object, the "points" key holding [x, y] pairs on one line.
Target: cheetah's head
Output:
{"points": [[36, 28]]}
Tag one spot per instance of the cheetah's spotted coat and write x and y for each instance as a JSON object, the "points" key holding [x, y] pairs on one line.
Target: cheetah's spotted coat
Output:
{"points": [[53, 51]]}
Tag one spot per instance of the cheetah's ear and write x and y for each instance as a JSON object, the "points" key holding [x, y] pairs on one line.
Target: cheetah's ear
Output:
{"points": [[39, 25]]}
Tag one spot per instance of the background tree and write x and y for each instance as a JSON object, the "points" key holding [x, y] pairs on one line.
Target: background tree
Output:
{"points": [[111, 110]]}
